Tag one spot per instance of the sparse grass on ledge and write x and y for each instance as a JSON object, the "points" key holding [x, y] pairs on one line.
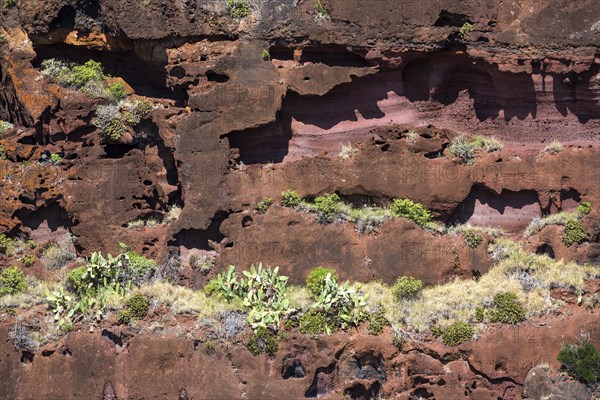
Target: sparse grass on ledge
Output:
{"points": [[465, 147], [554, 147]]}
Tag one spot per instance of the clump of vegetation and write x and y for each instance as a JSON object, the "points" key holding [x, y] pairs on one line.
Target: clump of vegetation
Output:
{"points": [[472, 238], [266, 56], [409, 209], [411, 136], [262, 341], [56, 255], [116, 91], [377, 321], [348, 151], [584, 208], [3, 153], [88, 77], [12, 281], [124, 317], [407, 287], [263, 205], [4, 126], [203, 263], [322, 12], [457, 333], [315, 282], [561, 218], [28, 260], [465, 29], [76, 283], [554, 147], [6, 244], [140, 268], [116, 119], [238, 8], [9, 3], [313, 323], [582, 362], [464, 147], [573, 233], [290, 198], [138, 306], [328, 206], [507, 309]]}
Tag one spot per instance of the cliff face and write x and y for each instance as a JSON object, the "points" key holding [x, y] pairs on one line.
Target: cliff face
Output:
{"points": [[244, 109]]}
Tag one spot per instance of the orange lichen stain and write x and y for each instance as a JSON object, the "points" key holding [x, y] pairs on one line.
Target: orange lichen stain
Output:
{"points": [[92, 39]]}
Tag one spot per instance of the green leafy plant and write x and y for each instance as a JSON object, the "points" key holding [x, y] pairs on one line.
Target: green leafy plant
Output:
{"points": [[263, 205], [315, 281], [573, 233], [262, 341], [28, 260], [582, 362], [6, 244], [457, 333], [342, 304], [138, 306], [124, 317], [377, 321], [265, 55], [465, 29], [9, 3], [12, 280], [89, 71], [407, 287], [212, 288], [507, 309], [61, 304], [76, 283], [4, 126], [464, 147], [322, 12], [116, 91], [55, 159], [238, 8], [409, 209], [290, 198], [314, 323], [328, 206], [584, 208], [472, 238], [3, 153]]}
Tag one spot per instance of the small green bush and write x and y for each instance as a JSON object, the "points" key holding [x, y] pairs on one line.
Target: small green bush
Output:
{"points": [[116, 91], [507, 309], [472, 238], [138, 306], [238, 8], [211, 288], [82, 74], [377, 321], [262, 341], [28, 260], [9, 3], [464, 147], [457, 333], [3, 153], [407, 287], [265, 55], [479, 314], [315, 282], [321, 10], [263, 205], [582, 362], [124, 317], [76, 282], [436, 331], [313, 323], [290, 198], [6, 244], [409, 209], [465, 29], [140, 265], [328, 206], [12, 280], [584, 208], [573, 233]]}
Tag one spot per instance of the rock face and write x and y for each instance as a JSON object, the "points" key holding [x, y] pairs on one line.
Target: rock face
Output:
{"points": [[231, 126]]}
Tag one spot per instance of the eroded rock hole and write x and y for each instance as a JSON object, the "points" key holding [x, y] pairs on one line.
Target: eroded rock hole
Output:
{"points": [[359, 391], [27, 357], [212, 76], [263, 144], [545, 249], [322, 382], [332, 56], [199, 238], [294, 370]]}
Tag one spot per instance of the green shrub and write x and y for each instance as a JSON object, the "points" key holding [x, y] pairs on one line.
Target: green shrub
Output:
{"points": [[76, 283], [3, 153], [479, 314], [116, 91], [321, 10], [265, 55], [12, 280], [9, 3], [472, 238], [582, 362], [57, 255], [32, 244], [465, 147], [263, 205], [262, 341], [315, 282], [313, 323], [584, 208], [28, 260], [211, 288], [291, 323], [124, 317], [573, 233], [114, 129], [290, 198], [5, 125], [6, 244], [436, 331], [507, 309], [328, 206], [407, 287], [377, 321], [342, 304], [141, 266], [138, 306], [238, 8], [457, 333], [409, 209], [82, 74], [465, 29]]}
